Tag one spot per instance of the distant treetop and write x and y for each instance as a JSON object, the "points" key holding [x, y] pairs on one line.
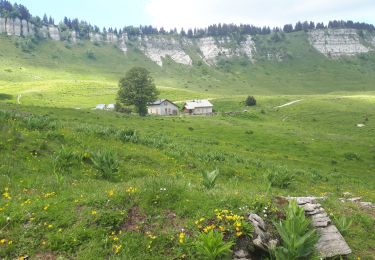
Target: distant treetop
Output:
{"points": [[84, 28]]}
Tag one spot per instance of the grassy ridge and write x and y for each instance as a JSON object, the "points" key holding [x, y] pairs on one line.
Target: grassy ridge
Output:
{"points": [[51, 69]]}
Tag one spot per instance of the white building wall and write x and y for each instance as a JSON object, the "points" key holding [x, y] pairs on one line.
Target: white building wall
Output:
{"points": [[164, 109]]}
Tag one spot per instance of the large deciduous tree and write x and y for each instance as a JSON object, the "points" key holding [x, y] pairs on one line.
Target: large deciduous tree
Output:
{"points": [[137, 88]]}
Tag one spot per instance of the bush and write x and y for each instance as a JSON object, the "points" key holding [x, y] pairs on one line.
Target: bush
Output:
{"points": [[90, 55], [212, 246], [122, 109], [298, 239], [209, 178], [279, 177], [106, 163], [250, 101]]}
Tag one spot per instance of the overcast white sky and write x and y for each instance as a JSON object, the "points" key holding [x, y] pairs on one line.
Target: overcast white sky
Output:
{"points": [[191, 13], [200, 13]]}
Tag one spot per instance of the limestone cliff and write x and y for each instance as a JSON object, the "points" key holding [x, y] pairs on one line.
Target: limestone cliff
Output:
{"points": [[158, 48], [333, 43], [337, 42], [212, 49]]}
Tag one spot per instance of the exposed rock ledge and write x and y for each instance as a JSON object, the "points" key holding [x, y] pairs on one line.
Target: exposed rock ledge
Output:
{"points": [[159, 48], [337, 42], [212, 49]]}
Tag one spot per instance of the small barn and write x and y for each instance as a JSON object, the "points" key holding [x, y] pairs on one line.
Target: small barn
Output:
{"points": [[198, 107], [163, 107]]}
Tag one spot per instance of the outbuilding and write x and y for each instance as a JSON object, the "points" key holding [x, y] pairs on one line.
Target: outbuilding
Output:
{"points": [[163, 107], [198, 107]]}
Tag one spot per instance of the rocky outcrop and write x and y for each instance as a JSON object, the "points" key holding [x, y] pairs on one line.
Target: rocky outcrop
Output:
{"points": [[331, 243], [25, 28], [122, 42], [17, 29], [73, 37], [96, 37], [111, 38], [337, 42], [44, 31], [261, 238], [2, 25], [212, 49], [158, 48], [54, 33]]}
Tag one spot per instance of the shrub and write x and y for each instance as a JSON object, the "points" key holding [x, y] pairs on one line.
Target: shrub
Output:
{"points": [[209, 178], [106, 163], [279, 177], [250, 101], [298, 239], [122, 109], [90, 55], [212, 246]]}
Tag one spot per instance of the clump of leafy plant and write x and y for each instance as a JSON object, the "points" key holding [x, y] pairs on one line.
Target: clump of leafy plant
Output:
{"points": [[280, 177], [128, 136], [106, 163], [209, 178], [211, 245], [64, 160], [343, 224], [298, 238]]}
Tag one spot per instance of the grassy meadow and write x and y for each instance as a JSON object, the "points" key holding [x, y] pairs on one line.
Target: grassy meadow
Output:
{"points": [[56, 202]]}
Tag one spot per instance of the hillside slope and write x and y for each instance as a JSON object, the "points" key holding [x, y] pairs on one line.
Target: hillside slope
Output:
{"points": [[43, 70]]}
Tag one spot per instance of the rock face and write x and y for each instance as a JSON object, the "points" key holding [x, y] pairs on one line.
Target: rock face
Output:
{"points": [[111, 38], [95, 37], [25, 28], [337, 42], [17, 29], [261, 238], [54, 33], [213, 49], [9, 27], [2, 25], [73, 37], [122, 42], [158, 48]]}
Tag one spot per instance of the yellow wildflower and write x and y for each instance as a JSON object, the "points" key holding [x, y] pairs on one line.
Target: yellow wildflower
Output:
{"points": [[110, 193], [117, 248], [46, 207], [50, 226], [93, 212], [181, 237], [2, 241], [6, 195], [10, 242], [222, 229], [238, 234]]}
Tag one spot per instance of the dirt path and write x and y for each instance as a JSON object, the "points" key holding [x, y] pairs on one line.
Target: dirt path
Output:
{"points": [[290, 103]]}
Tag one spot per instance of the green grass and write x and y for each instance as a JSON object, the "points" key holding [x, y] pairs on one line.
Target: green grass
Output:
{"points": [[309, 139]]}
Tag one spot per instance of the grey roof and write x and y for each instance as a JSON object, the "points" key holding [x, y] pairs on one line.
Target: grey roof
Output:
{"points": [[160, 101], [198, 104]]}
